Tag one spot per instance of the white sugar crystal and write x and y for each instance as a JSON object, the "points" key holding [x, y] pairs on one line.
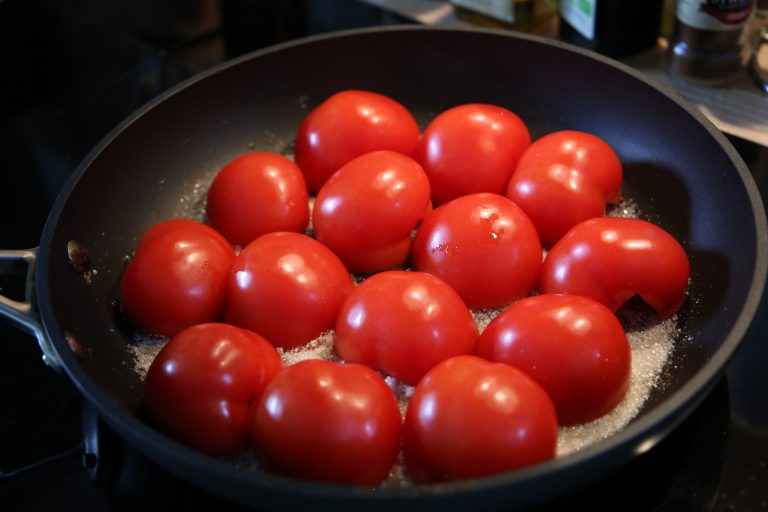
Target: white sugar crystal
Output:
{"points": [[319, 348], [626, 208], [651, 348], [484, 316], [651, 340], [144, 349]]}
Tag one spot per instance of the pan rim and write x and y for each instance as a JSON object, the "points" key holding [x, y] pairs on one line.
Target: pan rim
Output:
{"points": [[638, 436]]}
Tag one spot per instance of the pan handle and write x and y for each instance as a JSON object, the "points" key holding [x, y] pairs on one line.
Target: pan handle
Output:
{"points": [[24, 313]]}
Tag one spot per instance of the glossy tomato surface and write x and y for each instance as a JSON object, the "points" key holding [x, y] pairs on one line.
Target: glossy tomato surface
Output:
{"points": [[367, 210], [177, 278], [574, 347], [612, 259], [347, 125], [484, 246], [469, 417], [328, 422], [201, 384], [564, 178], [403, 323], [471, 148], [287, 287], [255, 194]]}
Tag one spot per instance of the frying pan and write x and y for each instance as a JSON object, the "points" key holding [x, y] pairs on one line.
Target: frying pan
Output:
{"points": [[679, 169]]}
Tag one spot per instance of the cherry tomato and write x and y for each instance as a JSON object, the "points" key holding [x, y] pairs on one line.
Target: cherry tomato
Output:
{"points": [[328, 422], [403, 323], [564, 178], [201, 384], [471, 148], [371, 205], [288, 288], [612, 259], [347, 125], [255, 194], [469, 417], [484, 246], [177, 278], [574, 347]]}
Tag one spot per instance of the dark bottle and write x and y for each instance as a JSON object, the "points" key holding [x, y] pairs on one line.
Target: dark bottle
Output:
{"points": [[611, 27], [706, 45]]}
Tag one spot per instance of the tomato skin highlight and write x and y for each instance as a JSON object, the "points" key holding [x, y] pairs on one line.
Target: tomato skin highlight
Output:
{"points": [[349, 124], [201, 384], [287, 287], [177, 277], [403, 323], [484, 246], [469, 417], [328, 422], [255, 194], [574, 347], [564, 178], [612, 259], [471, 148], [366, 211]]}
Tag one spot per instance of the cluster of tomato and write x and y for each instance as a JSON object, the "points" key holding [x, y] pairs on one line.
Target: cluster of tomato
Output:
{"points": [[485, 200]]}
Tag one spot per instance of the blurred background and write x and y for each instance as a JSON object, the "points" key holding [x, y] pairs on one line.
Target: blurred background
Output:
{"points": [[73, 69]]}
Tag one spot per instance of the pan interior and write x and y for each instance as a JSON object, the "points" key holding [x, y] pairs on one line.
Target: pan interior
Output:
{"points": [[158, 164]]}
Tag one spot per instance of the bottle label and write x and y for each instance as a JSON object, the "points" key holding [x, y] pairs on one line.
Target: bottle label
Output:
{"points": [[714, 14], [503, 10], [581, 15]]}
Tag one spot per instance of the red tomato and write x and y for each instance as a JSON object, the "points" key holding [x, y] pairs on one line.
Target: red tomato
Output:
{"points": [[471, 148], [177, 278], [347, 125], [288, 288], [469, 417], [255, 194], [484, 246], [369, 207], [574, 347], [328, 422], [403, 323], [612, 259], [564, 178], [202, 382]]}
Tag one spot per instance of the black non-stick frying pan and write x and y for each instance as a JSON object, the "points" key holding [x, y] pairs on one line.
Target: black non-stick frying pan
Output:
{"points": [[678, 168]]}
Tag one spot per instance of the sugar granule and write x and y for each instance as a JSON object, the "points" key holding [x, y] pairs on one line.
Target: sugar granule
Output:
{"points": [[144, 349], [483, 317], [319, 348], [651, 340], [626, 208], [402, 392], [651, 348], [192, 203]]}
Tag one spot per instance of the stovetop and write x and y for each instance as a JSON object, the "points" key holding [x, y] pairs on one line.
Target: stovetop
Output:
{"points": [[71, 71]]}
